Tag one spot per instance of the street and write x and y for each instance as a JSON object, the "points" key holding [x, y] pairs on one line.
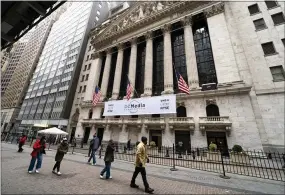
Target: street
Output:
{"points": [[79, 178]]}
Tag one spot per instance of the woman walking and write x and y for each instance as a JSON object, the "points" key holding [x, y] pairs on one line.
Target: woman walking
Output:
{"points": [[61, 151], [109, 158], [37, 154], [22, 142]]}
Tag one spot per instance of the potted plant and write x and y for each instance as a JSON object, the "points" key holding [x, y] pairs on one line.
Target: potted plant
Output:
{"points": [[239, 156], [213, 154]]}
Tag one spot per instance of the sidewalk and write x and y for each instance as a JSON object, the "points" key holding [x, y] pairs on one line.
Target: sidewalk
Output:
{"points": [[237, 183]]}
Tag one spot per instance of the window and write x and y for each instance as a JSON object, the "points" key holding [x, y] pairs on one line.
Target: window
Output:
{"points": [[80, 89], [82, 79], [100, 5], [278, 18], [84, 88], [87, 76], [268, 48], [85, 67], [98, 13], [89, 66], [277, 73], [87, 58], [253, 9], [140, 67], [125, 70], [89, 48], [96, 18], [283, 41], [271, 4], [259, 24]]}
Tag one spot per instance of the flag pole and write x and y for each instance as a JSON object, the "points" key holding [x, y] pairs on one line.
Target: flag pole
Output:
{"points": [[175, 75], [133, 86]]}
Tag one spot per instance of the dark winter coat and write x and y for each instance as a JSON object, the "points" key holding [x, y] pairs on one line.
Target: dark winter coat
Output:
{"points": [[61, 151], [109, 154]]}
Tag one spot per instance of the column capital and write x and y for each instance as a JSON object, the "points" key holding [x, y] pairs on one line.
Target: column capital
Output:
{"points": [[109, 50], [148, 35], [166, 28], [133, 40], [187, 20], [120, 46], [96, 55], [214, 10]]}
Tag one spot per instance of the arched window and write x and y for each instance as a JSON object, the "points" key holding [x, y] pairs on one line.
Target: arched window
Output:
{"points": [[90, 114], [212, 110], [181, 112]]}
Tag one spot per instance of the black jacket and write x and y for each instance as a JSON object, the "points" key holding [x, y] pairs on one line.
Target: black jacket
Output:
{"points": [[109, 154]]}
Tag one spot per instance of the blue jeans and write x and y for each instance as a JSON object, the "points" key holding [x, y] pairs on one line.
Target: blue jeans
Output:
{"points": [[39, 159], [106, 169], [92, 156]]}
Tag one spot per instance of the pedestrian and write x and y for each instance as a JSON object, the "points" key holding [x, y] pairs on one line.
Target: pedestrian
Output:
{"points": [[129, 145], [90, 147], [61, 151], [95, 147], [37, 154], [22, 142], [141, 159], [108, 158]]}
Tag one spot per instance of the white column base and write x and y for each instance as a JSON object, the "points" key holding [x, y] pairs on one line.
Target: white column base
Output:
{"points": [[107, 134]]}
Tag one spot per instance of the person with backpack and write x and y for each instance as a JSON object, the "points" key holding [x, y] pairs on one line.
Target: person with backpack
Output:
{"points": [[95, 146], [108, 158], [22, 142], [61, 151]]}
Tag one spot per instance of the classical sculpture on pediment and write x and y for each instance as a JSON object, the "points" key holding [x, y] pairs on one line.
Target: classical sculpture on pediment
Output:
{"points": [[75, 116]]}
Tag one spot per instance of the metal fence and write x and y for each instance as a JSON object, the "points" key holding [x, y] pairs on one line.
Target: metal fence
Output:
{"points": [[250, 163], [259, 164]]}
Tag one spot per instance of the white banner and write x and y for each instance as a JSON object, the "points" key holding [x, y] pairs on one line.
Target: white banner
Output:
{"points": [[165, 104]]}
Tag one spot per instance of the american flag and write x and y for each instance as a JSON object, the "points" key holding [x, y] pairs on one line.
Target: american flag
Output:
{"points": [[182, 85], [96, 96], [129, 90]]}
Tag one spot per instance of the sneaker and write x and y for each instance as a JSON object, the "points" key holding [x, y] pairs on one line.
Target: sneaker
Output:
{"points": [[101, 177], [110, 177], [37, 171], [94, 164], [58, 173], [149, 190], [30, 172], [134, 186]]}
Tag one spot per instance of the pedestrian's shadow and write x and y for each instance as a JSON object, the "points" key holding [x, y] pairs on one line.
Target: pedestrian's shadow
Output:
{"points": [[64, 176]]}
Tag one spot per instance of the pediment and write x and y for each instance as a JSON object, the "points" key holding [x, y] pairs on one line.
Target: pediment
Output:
{"points": [[140, 15]]}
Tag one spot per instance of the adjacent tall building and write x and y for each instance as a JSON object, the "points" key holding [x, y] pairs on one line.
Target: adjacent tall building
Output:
{"points": [[235, 49], [50, 93]]}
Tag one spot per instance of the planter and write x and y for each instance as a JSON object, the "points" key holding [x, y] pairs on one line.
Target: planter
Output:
{"points": [[214, 156], [240, 158]]}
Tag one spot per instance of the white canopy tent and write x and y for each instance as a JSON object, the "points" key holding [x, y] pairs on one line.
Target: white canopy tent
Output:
{"points": [[52, 131]]}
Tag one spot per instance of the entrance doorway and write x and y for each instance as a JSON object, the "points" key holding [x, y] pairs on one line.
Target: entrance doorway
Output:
{"points": [[155, 136], [100, 134], [220, 139], [184, 137], [86, 135]]}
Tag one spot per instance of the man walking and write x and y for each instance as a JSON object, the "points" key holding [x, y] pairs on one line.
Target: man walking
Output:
{"points": [[95, 147], [90, 147], [22, 142], [141, 159]]}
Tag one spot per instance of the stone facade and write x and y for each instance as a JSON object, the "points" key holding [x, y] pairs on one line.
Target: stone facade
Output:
{"points": [[251, 104]]}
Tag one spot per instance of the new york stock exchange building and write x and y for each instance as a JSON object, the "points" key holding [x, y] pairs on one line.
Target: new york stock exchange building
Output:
{"points": [[233, 67]]}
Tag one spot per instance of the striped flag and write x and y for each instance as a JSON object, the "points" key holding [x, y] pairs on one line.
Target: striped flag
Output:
{"points": [[96, 96], [182, 85], [129, 90]]}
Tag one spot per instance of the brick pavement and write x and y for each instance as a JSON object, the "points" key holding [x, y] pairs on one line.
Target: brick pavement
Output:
{"points": [[160, 178]]}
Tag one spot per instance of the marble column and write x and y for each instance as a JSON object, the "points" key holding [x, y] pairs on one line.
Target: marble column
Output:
{"points": [[107, 134], [148, 65], [133, 62], [93, 130], [124, 135], [95, 72], [106, 74], [190, 55], [118, 72], [167, 57]]}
